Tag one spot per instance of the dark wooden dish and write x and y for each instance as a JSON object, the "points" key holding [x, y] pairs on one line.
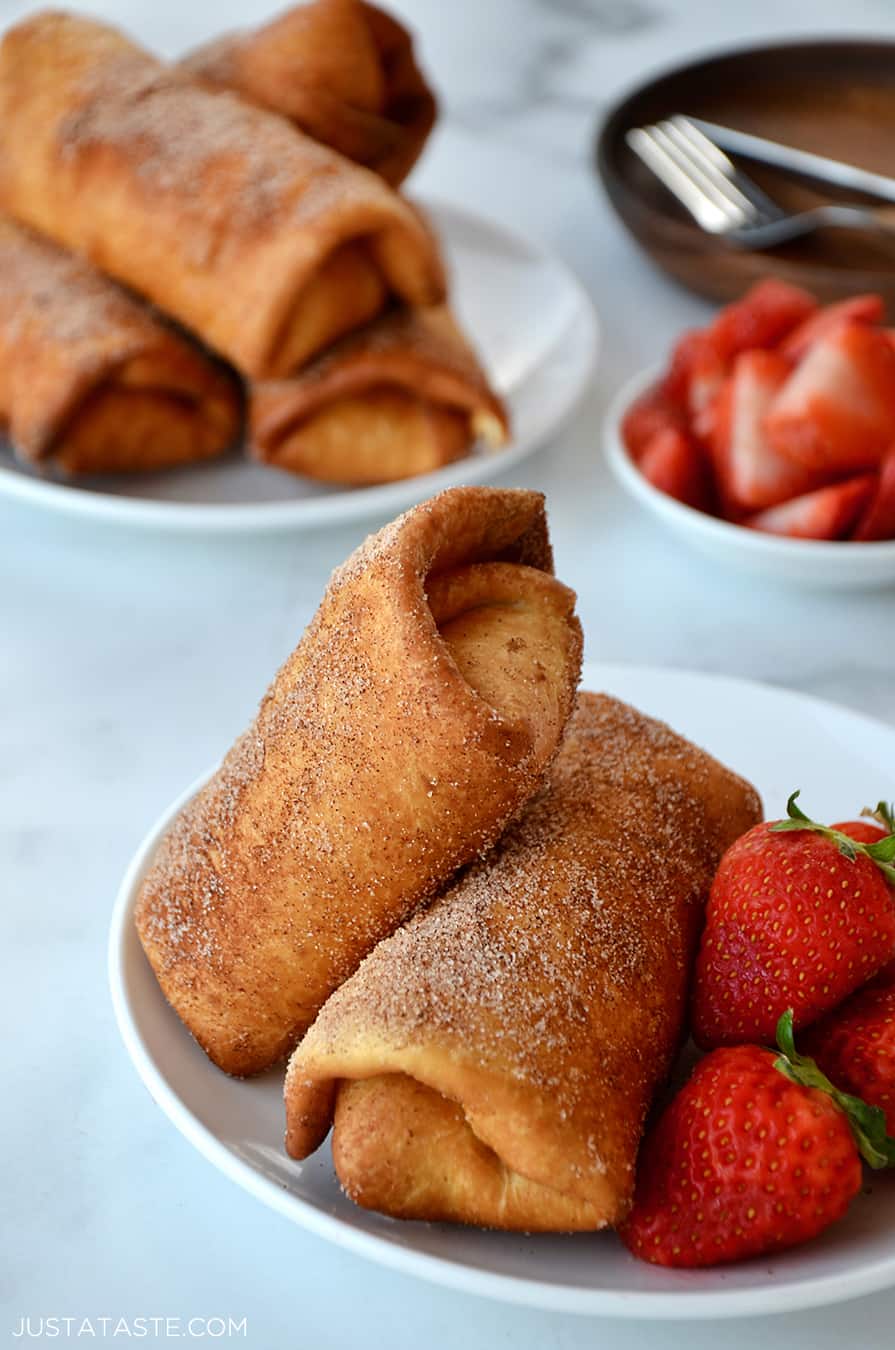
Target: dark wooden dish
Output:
{"points": [[832, 97]]}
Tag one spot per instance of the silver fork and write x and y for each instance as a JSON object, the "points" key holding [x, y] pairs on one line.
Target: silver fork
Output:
{"points": [[724, 200]]}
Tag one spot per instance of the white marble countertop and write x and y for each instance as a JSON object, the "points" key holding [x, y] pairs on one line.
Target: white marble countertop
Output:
{"points": [[128, 662]]}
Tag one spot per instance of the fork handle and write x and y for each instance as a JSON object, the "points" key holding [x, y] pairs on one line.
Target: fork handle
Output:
{"points": [[863, 217]]}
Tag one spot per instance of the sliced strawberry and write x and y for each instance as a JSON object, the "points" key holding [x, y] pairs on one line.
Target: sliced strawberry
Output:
{"points": [[751, 474], [694, 378], [828, 513], [691, 350], [763, 317], [878, 521], [869, 309], [706, 387], [836, 411], [674, 464], [651, 413]]}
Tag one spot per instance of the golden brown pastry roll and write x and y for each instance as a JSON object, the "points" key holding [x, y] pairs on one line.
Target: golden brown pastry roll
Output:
{"points": [[264, 243], [91, 380], [418, 713], [402, 396], [493, 1062], [342, 70]]}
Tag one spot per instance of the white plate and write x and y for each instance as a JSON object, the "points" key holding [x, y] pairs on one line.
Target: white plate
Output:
{"points": [[779, 740], [535, 329], [805, 562]]}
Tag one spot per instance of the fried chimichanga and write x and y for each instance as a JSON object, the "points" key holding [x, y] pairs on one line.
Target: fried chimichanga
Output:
{"points": [[417, 715], [264, 243], [400, 397], [493, 1062], [342, 70], [91, 380]]}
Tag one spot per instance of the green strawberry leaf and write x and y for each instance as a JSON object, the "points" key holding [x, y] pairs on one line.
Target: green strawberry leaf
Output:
{"points": [[868, 1123], [882, 852], [795, 812], [884, 813]]}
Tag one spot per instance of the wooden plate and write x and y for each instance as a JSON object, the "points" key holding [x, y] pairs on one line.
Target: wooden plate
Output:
{"points": [[834, 98]]}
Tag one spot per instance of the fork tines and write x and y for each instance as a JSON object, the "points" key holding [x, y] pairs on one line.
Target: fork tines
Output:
{"points": [[719, 197]]}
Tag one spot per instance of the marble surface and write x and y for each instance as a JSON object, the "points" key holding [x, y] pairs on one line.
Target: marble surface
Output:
{"points": [[128, 661]]}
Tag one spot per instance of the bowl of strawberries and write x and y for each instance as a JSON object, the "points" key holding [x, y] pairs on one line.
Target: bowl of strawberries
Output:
{"points": [[769, 439]]}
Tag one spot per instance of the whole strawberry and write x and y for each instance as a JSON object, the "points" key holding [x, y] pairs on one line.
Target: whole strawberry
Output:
{"points": [[757, 1152], [855, 1045], [799, 917], [870, 829]]}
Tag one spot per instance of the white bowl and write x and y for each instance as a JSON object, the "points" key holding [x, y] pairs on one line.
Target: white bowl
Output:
{"points": [[804, 562]]}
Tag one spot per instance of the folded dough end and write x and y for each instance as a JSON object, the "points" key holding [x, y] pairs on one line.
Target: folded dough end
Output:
{"points": [[403, 1149], [159, 411], [383, 436], [514, 637], [404, 395]]}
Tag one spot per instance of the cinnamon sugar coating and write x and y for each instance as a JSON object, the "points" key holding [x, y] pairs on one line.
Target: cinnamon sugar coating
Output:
{"points": [[265, 243], [417, 715], [538, 1004], [342, 70], [91, 379]]}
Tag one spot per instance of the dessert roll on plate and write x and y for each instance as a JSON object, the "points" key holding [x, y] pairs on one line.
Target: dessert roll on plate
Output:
{"points": [[417, 715], [266, 244], [402, 396], [342, 70], [91, 380], [493, 1061]]}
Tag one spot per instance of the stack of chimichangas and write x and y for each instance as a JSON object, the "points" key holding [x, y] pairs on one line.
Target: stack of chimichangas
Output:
{"points": [[464, 900], [181, 242]]}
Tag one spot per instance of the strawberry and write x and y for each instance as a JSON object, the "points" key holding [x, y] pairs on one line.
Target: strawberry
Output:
{"points": [[878, 519], [855, 1045], [836, 411], [827, 513], [886, 975], [694, 378], [761, 318], [798, 917], [649, 414], [870, 829], [693, 352], [869, 309], [751, 474], [756, 1153], [674, 464]]}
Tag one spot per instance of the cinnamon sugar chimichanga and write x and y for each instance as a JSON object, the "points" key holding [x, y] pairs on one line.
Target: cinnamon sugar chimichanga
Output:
{"points": [[264, 243], [342, 70], [402, 396], [492, 1063], [417, 715], [91, 381]]}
